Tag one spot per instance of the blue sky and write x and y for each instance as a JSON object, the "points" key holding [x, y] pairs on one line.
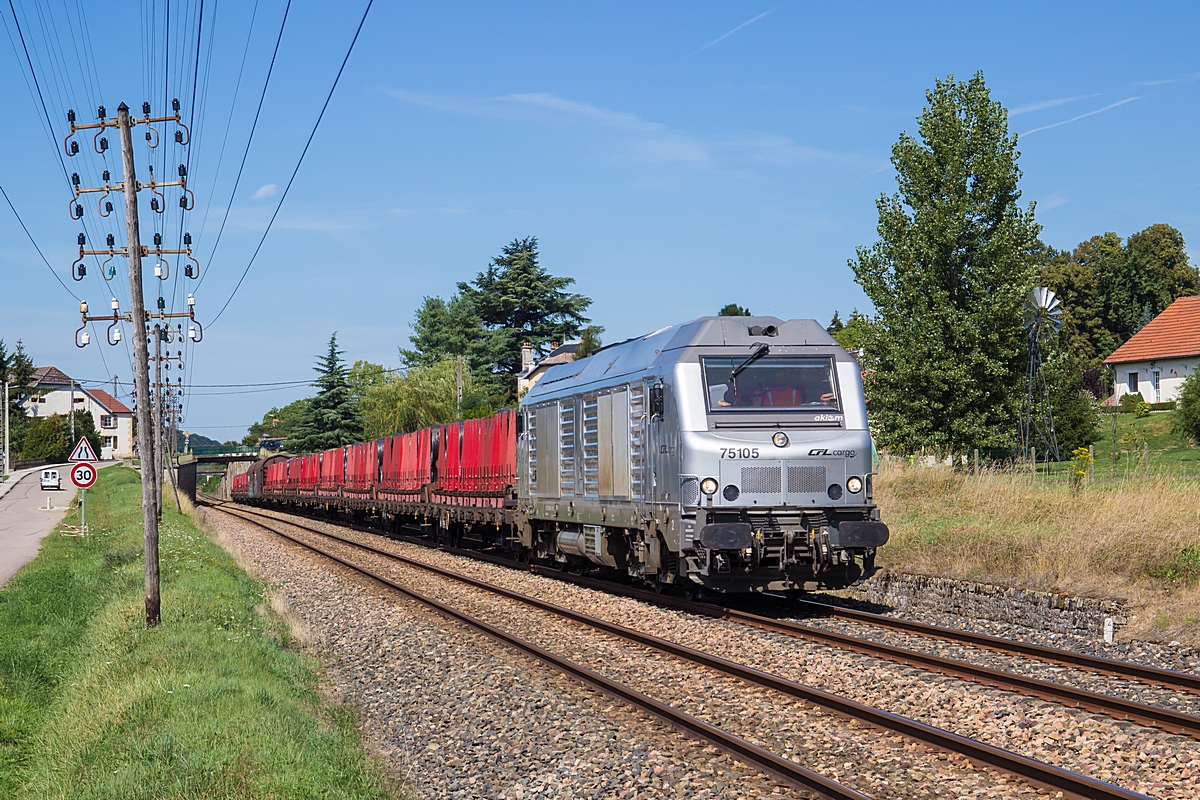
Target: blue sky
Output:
{"points": [[672, 157]]}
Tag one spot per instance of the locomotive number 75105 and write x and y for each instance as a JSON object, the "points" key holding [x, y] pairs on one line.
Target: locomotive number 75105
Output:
{"points": [[739, 452]]}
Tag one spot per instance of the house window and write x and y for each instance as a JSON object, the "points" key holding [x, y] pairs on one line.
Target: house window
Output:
{"points": [[108, 441], [108, 421], [78, 399], [1132, 382], [1155, 379]]}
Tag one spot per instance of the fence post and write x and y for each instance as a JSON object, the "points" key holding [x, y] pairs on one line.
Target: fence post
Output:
{"points": [[1033, 463], [976, 462]]}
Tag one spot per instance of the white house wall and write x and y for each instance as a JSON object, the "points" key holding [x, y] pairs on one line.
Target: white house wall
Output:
{"points": [[58, 401], [1172, 373]]}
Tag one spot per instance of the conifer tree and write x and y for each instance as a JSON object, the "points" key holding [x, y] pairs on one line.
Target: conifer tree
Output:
{"points": [[948, 276], [331, 418]]}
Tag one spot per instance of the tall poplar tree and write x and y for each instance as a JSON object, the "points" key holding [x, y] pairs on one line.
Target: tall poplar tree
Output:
{"points": [[953, 264]]}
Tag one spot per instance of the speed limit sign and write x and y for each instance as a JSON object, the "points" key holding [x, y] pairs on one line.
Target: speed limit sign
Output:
{"points": [[83, 475]]}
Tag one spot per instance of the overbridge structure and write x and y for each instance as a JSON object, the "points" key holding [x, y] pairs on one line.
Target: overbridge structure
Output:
{"points": [[185, 472]]}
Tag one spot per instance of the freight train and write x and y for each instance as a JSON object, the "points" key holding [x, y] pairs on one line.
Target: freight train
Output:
{"points": [[724, 455]]}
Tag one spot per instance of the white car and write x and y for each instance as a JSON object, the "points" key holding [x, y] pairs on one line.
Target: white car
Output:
{"points": [[50, 479]]}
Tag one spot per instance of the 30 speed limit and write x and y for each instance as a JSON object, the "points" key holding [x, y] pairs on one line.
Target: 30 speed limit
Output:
{"points": [[83, 475]]}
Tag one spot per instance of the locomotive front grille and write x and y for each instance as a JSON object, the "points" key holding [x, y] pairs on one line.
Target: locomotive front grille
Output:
{"points": [[761, 480], [806, 480], [689, 490]]}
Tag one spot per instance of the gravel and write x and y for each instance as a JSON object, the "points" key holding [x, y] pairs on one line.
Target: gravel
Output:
{"points": [[457, 715], [1143, 759]]}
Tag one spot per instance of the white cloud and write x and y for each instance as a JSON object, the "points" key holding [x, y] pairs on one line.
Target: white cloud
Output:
{"points": [[265, 191], [1052, 200], [644, 140], [647, 141]]}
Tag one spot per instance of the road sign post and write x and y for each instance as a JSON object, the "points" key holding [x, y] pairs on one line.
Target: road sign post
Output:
{"points": [[83, 475]]}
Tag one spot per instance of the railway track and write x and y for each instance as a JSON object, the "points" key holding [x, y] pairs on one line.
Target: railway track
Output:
{"points": [[1115, 707], [1036, 772]]}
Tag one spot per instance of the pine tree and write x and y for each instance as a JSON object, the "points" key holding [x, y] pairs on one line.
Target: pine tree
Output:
{"points": [[518, 301], [835, 325], [331, 418], [948, 276]]}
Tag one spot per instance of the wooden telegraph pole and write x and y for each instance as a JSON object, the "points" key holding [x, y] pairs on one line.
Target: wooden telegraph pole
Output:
{"points": [[141, 363], [158, 421]]}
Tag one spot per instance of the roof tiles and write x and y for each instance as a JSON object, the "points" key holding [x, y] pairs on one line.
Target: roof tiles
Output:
{"points": [[1172, 334]]}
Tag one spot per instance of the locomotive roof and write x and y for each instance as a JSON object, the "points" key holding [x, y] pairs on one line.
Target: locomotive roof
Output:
{"points": [[666, 346]]}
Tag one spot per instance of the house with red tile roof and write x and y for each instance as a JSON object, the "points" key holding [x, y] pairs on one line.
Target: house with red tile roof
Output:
{"points": [[55, 393], [1161, 355]]}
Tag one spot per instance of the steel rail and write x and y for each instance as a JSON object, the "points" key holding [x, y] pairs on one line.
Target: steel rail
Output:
{"points": [[784, 769], [1153, 675], [1109, 705], [1070, 783]]}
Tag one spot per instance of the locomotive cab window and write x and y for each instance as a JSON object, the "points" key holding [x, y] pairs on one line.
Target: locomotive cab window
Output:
{"points": [[770, 383]]}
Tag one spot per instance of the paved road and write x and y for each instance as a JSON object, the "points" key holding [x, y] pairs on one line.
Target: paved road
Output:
{"points": [[23, 526]]}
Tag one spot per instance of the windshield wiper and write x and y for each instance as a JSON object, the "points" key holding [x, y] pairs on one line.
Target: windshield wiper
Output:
{"points": [[760, 350]]}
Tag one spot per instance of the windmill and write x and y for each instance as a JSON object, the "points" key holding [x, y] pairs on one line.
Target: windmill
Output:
{"points": [[1041, 316]]}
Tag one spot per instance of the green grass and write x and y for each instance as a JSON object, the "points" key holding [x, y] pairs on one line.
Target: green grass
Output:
{"points": [[216, 702], [1170, 453]]}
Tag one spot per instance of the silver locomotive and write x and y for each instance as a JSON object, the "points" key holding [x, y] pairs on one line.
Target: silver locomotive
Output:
{"points": [[729, 454]]}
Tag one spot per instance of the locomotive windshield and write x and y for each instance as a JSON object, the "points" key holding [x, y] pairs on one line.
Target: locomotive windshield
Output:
{"points": [[770, 382]]}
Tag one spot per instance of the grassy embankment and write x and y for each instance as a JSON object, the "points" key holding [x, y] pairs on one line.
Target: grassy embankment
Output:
{"points": [[1129, 537], [216, 702]]}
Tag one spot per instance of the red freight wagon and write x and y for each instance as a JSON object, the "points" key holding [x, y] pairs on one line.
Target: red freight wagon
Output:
{"points": [[333, 470], [407, 463], [277, 474], [241, 483], [449, 458], [362, 467], [309, 472]]}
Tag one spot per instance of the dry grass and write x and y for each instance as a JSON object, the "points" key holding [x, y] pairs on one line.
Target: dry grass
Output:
{"points": [[1136, 540]]}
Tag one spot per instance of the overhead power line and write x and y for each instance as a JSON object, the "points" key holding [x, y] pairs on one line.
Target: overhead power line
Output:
{"points": [[287, 188], [35, 245], [250, 139]]}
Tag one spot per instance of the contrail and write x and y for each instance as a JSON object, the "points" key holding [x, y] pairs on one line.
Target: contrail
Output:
{"points": [[735, 30], [1081, 116]]}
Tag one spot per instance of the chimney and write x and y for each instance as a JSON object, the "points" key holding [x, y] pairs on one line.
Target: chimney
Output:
{"points": [[526, 357]]}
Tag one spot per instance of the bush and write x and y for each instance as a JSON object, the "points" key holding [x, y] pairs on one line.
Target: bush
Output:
{"points": [[1187, 409], [50, 437], [1130, 401], [1142, 409]]}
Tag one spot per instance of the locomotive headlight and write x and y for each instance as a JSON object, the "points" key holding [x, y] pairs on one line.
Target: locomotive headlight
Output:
{"points": [[709, 486], [780, 439], [854, 485]]}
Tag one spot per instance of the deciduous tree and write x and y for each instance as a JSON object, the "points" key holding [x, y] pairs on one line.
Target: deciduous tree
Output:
{"points": [[733, 310], [948, 275]]}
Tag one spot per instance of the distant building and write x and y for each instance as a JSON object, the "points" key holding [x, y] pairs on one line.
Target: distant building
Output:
{"points": [[51, 394], [531, 371], [1161, 355]]}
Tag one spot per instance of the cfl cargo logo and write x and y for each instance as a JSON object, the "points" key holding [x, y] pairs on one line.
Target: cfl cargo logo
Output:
{"points": [[820, 451]]}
